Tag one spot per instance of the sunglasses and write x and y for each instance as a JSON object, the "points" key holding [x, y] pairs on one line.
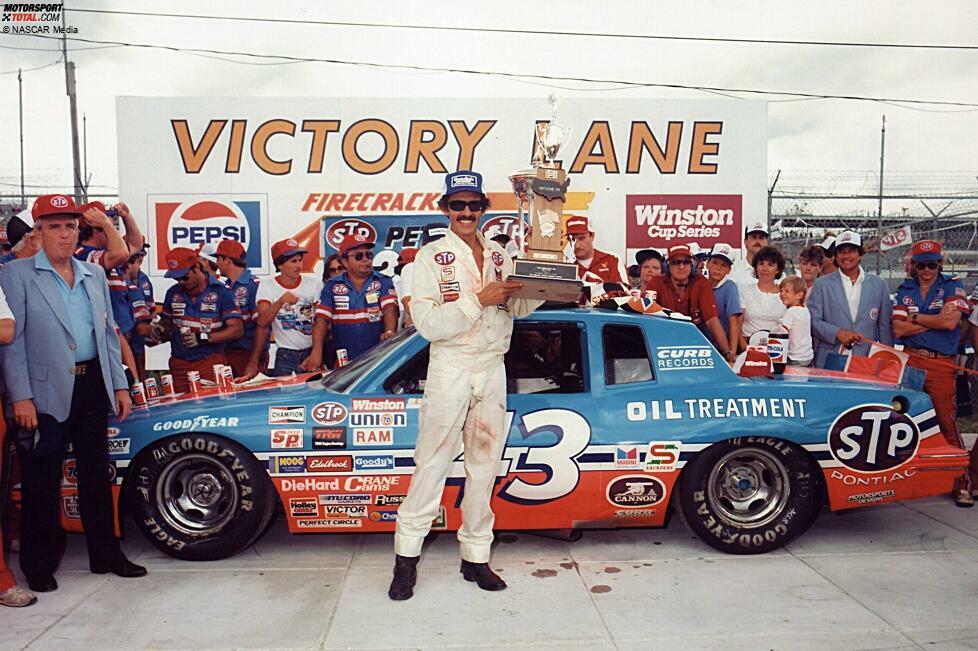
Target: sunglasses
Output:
{"points": [[360, 255], [335, 270], [681, 261], [459, 206], [926, 265]]}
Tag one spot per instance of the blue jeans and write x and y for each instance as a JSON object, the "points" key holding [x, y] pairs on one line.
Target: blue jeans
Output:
{"points": [[287, 361]]}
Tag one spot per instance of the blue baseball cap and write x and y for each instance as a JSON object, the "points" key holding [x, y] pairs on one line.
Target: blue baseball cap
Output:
{"points": [[463, 181]]}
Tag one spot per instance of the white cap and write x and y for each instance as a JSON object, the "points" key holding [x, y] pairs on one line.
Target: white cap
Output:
{"points": [[755, 227], [851, 238], [828, 242], [723, 250], [209, 252]]}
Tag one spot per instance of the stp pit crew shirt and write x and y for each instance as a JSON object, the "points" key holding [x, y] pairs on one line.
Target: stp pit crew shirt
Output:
{"points": [[136, 341], [946, 289], [245, 292], [357, 317], [128, 305], [206, 312]]}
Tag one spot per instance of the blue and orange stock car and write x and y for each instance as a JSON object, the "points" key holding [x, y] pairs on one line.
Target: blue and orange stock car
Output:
{"points": [[614, 419]]}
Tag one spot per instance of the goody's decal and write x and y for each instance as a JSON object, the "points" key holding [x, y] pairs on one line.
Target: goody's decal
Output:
{"points": [[873, 438], [193, 221]]}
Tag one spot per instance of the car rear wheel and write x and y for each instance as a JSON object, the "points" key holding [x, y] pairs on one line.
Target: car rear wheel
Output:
{"points": [[200, 497], [750, 495]]}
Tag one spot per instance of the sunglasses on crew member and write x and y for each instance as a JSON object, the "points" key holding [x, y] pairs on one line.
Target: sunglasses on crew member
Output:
{"points": [[926, 265], [681, 261], [335, 269], [458, 206], [360, 255]]}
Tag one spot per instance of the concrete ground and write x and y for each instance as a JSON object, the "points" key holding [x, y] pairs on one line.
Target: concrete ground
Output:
{"points": [[897, 576]]}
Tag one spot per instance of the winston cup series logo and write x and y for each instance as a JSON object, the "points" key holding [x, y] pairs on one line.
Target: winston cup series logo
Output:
{"points": [[662, 220]]}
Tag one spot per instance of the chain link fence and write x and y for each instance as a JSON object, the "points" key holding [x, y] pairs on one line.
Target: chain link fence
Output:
{"points": [[798, 219]]}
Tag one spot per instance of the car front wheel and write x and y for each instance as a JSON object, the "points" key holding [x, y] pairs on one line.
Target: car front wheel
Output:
{"points": [[200, 497], [750, 495]]}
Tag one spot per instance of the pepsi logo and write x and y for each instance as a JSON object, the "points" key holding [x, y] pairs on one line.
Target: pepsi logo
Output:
{"points": [[192, 222], [349, 227], [445, 258], [59, 202]]}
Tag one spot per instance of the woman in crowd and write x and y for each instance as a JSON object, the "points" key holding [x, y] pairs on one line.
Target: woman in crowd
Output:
{"points": [[287, 304], [333, 267], [761, 299]]}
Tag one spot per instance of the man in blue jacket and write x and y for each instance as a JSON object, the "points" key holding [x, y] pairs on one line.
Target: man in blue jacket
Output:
{"points": [[849, 307], [63, 373]]}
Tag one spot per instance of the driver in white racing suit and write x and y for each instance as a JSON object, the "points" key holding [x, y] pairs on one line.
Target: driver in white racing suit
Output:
{"points": [[461, 303]]}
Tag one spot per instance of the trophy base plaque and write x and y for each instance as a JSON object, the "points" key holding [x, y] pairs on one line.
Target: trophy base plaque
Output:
{"points": [[548, 281]]}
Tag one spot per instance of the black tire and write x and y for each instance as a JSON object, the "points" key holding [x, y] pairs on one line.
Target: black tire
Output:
{"points": [[200, 497], [776, 496]]}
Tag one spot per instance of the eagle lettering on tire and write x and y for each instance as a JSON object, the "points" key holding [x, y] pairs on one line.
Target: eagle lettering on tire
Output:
{"points": [[200, 497], [750, 495]]}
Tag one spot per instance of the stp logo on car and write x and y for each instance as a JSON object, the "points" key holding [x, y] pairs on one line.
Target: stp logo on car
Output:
{"points": [[192, 221], [871, 438], [329, 413]]}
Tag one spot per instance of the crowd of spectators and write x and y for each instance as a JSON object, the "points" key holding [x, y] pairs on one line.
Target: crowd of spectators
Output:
{"points": [[218, 312]]}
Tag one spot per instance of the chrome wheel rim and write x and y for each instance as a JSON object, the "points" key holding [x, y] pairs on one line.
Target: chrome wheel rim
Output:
{"points": [[196, 495], [748, 488]]}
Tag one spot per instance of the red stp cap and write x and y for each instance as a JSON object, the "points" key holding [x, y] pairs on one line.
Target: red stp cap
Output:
{"points": [[352, 242], [577, 225], [926, 251], [179, 261], [286, 248], [51, 205], [231, 249], [92, 204]]}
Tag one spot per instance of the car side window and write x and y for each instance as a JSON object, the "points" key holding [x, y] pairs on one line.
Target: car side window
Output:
{"points": [[626, 355], [409, 379], [545, 358]]}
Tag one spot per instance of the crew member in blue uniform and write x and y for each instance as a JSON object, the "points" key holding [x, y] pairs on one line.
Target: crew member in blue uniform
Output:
{"points": [[249, 354], [927, 318], [199, 317], [357, 309]]}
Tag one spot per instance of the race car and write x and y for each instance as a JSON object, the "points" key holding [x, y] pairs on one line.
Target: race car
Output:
{"points": [[614, 420]]}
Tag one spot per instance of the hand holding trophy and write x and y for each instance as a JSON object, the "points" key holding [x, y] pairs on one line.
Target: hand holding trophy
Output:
{"points": [[540, 192]]}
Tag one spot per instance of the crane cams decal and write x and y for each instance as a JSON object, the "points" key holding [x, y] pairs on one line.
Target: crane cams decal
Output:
{"points": [[635, 491], [873, 438]]}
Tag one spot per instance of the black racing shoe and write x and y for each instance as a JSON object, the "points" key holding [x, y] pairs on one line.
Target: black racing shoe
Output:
{"points": [[405, 576], [482, 575]]}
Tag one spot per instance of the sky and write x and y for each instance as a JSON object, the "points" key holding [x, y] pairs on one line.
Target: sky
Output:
{"points": [[816, 139]]}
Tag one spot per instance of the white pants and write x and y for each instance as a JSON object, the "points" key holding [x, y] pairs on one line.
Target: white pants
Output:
{"points": [[467, 406]]}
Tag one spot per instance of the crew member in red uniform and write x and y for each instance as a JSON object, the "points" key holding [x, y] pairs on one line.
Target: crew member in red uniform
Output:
{"points": [[593, 266], [199, 317], [927, 318], [679, 290]]}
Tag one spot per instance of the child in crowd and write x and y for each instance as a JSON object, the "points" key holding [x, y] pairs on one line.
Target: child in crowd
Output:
{"points": [[725, 292], [797, 321]]}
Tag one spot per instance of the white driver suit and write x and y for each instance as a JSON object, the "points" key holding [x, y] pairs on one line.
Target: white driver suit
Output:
{"points": [[465, 391]]}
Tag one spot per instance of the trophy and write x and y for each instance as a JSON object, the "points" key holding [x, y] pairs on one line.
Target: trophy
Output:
{"points": [[540, 194]]}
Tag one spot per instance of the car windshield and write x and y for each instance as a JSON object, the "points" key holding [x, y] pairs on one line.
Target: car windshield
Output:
{"points": [[341, 379]]}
